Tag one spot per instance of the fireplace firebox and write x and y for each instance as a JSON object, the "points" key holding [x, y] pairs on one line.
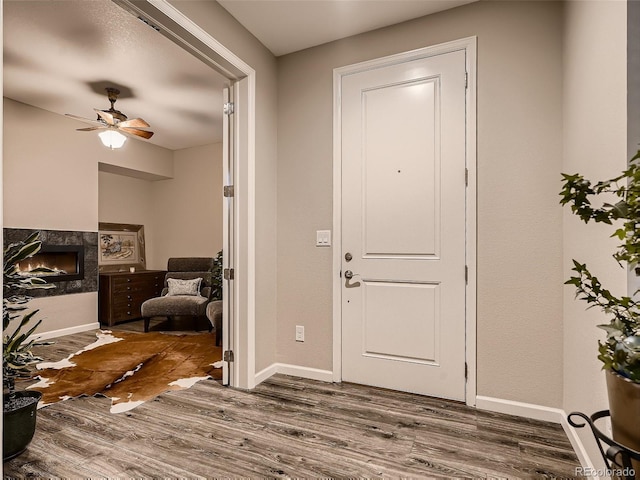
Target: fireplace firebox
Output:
{"points": [[66, 261], [74, 253]]}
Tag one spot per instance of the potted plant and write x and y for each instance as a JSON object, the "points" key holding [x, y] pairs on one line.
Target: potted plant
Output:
{"points": [[620, 350], [19, 408]]}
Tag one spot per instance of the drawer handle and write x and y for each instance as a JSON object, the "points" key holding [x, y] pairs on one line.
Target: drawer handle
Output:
{"points": [[128, 279], [128, 288]]}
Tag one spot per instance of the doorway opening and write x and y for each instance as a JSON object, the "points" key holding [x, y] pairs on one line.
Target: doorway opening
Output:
{"points": [[239, 168]]}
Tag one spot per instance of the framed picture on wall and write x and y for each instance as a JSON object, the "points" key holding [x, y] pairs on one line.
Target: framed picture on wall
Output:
{"points": [[121, 247]]}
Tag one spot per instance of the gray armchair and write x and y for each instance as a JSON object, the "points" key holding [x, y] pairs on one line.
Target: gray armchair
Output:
{"points": [[214, 314], [183, 294]]}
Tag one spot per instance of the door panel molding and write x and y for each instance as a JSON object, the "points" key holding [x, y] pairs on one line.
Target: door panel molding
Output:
{"points": [[422, 97], [468, 45], [417, 346]]}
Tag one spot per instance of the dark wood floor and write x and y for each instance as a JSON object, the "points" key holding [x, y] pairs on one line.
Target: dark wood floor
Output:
{"points": [[286, 427]]}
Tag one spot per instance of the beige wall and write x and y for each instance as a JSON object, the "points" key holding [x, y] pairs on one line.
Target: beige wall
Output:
{"points": [[216, 21], [50, 171], [139, 159], [123, 199], [182, 216], [519, 220], [187, 210], [595, 145]]}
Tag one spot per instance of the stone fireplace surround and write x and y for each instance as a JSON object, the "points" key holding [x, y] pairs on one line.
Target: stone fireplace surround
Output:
{"points": [[89, 241]]}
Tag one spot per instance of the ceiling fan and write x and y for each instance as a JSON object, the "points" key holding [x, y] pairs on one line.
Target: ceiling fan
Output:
{"points": [[113, 119]]}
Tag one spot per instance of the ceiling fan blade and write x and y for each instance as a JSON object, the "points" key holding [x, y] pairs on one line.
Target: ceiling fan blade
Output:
{"points": [[136, 131], [134, 122], [90, 129], [85, 120], [107, 117]]}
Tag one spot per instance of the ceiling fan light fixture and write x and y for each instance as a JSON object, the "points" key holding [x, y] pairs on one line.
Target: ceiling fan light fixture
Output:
{"points": [[112, 139], [111, 121]]}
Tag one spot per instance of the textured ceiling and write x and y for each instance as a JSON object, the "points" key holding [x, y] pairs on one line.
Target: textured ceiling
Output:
{"points": [[60, 55], [286, 26]]}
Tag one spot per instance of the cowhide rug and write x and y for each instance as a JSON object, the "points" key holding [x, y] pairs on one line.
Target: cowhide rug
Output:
{"points": [[130, 368]]}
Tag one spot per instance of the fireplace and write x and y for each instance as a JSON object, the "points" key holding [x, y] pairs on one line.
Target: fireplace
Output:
{"points": [[74, 254], [66, 261]]}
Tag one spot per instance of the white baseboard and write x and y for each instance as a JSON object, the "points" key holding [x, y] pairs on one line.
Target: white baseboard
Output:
{"points": [[294, 370], [65, 331], [520, 409], [538, 412], [305, 372], [577, 445], [264, 374]]}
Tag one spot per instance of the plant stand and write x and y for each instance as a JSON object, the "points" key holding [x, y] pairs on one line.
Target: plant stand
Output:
{"points": [[617, 456]]}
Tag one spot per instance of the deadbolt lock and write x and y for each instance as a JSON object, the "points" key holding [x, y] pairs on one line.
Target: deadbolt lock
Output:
{"points": [[348, 257]]}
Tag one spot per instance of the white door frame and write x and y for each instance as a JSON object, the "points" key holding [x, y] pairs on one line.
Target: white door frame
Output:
{"points": [[469, 46], [180, 29]]}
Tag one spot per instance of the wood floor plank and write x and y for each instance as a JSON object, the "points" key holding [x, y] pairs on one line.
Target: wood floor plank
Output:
{"points": [[286, 427], [548, 461]]}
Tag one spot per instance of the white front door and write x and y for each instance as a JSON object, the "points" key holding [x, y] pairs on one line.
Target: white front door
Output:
{"points": [[403, 226]]}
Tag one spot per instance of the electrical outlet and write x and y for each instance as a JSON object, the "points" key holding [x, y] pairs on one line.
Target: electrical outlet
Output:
{"points": [[299, 333]]}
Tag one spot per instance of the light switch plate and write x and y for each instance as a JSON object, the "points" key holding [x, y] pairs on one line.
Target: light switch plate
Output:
{"points": [[323, 238]]}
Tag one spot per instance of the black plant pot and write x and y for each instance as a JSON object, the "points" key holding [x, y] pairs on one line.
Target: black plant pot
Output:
{"points": [[19, 424]]}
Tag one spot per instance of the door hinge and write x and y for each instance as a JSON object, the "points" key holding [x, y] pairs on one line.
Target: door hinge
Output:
{"points": [[466, 80], [229, 273], [228, 108], [227, 356], [466, 177], [227, 191], [466, 274], [466, 371]]}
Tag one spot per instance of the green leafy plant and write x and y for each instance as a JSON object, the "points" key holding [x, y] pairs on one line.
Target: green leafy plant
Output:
{"points": [[620, 351], [17, 355], [216, 281]]}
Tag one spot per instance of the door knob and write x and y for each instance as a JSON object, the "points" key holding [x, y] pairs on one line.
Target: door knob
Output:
{"points": [[348, 275]]}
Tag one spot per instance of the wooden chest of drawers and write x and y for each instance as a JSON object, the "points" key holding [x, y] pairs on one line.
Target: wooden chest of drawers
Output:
{"points": [[122, 294]]}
